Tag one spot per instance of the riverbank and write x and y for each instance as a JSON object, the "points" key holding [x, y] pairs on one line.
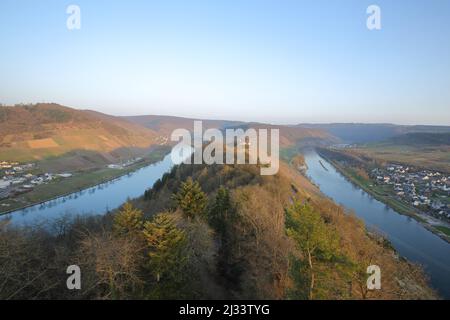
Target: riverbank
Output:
{"points": [[78, 182], [435, 226], [410, 238]]}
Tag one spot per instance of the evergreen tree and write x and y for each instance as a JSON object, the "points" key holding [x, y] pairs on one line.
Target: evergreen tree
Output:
{"points": [[165, 243], [220, 210], [128, 221], [191, 199], [313, 237]]}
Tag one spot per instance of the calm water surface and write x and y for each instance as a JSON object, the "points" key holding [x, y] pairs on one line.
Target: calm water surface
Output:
{"points": [[408, 237], [95, 200]]}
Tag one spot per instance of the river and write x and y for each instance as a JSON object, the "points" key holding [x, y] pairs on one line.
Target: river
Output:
{"points": [[95, 200], [409, 237]]}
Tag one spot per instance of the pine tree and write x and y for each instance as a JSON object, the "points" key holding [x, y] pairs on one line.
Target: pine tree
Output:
{"points": [[314, 238], [128, 221], [165, 243], [220, 210], [191, 199]]}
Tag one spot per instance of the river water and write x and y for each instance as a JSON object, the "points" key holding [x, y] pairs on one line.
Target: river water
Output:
{"points": [[95, 200], [409, 237]]}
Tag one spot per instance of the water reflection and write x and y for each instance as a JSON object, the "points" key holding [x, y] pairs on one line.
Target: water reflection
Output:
{"points": [[95, 200], [408, 237]]}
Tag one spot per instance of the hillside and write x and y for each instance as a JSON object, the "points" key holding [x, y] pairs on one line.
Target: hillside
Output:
{"points": [[257, 255], [51, 131], [212, 232], [289, 135], [367, 133], [421, 139], [423, 150], [164, 125], [42, 131]]}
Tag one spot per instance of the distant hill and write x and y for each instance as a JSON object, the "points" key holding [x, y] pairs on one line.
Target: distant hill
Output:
{"points": [[422, 139], [365, 133], [85, 138], [164, 125], [292, 135], [37, 132], [289, 135]]}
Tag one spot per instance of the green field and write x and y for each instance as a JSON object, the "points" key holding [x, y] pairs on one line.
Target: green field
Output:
{"points": [[430, 157], [78, 181], [443, 229]]}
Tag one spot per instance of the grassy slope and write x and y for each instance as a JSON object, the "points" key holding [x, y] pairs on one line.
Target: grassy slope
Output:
{"points": [[430, 156], [41, 131], [444, 230]]}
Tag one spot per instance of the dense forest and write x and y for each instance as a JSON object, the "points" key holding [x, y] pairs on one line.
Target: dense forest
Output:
{"points": [[209, 232]]}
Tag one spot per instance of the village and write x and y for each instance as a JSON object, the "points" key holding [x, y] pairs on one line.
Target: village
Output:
{"points": [[125, 164], [426, 190], [16, 179]]}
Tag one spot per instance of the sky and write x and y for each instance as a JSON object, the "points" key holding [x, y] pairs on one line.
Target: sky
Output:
{"points": [[276, 61]]}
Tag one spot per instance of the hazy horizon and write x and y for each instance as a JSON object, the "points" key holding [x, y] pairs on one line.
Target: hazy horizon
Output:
{"points": [[227, 119], [281, 62]]}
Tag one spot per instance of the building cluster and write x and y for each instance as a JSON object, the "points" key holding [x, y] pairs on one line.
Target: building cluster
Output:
{"points": [[427, 190], [18, 178], [124, 164]]}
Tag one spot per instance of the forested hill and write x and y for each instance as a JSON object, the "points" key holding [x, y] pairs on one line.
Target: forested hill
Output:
{"points": [[260, 230], [421, 139], [39, 131], [368, 132], [210, 232], [44, 131], [289, 135]]}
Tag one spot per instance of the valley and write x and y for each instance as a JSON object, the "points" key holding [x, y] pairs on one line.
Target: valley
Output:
{"points": [[71, 150], [417, 186], [85, 187], [53, 186], [195, 155]]}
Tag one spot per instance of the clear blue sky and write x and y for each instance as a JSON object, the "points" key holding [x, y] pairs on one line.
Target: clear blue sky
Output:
{"points": [[277, 61]]}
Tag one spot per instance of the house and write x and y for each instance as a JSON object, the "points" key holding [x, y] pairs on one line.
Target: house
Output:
{"points": [[18, 181], [38, 180], [65, 175], [114, 166], [4, 184], [437, 205]]}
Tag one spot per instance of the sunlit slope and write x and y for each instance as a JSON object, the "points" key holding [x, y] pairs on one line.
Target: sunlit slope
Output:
{"points": [[44, 130], [289, 135], [257, 256]]}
